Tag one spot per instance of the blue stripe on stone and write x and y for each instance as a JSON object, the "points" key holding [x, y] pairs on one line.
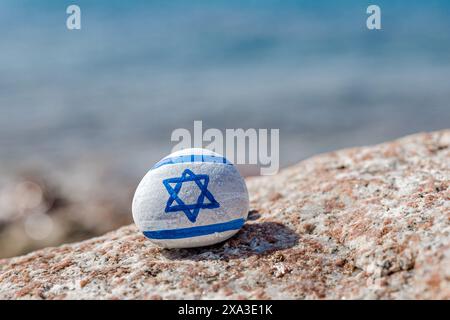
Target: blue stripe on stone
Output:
{"points": [[191, 158], [195, 231]]}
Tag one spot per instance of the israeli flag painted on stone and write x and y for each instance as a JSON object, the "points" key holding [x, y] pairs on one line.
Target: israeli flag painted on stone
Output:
{"points": [[191, 198]]}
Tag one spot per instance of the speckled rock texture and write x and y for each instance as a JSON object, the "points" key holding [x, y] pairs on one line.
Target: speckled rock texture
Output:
{"points": [[370, 222]]}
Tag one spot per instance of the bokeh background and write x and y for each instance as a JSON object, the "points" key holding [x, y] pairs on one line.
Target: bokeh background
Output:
{"points": [[84, 114]]}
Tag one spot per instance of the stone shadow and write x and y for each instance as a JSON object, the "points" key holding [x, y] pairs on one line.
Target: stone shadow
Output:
{"points": [[255, 238]]}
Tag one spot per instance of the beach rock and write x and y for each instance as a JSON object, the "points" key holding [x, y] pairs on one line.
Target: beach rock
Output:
{"points": [[370, 222]]}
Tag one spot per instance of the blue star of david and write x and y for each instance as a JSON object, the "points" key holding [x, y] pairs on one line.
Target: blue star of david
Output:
{"points": [[190, 210]]}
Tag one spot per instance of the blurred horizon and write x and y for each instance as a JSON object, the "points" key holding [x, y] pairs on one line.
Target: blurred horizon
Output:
{"points": [[96, 107]]}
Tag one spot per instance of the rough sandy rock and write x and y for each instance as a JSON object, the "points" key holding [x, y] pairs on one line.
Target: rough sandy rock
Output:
{"points": [[371, 222]]}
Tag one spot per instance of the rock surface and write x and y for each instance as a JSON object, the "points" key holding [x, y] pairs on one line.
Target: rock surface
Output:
{"points": [[370, 222]]}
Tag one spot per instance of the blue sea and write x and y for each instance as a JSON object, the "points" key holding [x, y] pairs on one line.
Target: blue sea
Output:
{"points": [[116, 89]]}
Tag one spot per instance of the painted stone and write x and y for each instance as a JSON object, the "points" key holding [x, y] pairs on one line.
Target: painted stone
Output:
{"points": [[191, 198]]}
